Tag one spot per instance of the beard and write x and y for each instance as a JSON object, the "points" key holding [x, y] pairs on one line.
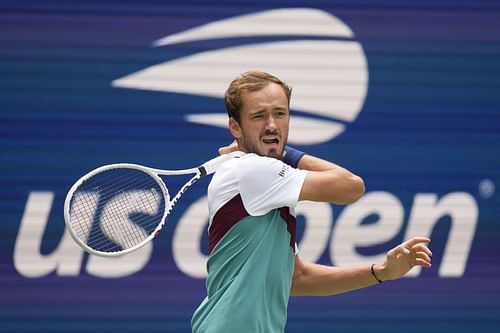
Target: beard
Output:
{"points": [[253, 148]]}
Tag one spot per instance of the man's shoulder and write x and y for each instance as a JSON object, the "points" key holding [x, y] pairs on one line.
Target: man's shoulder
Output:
{"points": [[254, 160], [248, 162], [250, 168]]}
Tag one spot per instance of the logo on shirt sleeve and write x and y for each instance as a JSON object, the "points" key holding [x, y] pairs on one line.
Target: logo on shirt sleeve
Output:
{"points": [[284, 170]]}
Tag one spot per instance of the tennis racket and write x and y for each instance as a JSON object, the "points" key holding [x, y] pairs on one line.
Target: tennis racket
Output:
{"points": [[118, 208]]}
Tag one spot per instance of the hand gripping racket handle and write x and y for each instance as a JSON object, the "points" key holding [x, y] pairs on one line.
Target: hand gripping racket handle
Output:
{"points": [[211, 166]]}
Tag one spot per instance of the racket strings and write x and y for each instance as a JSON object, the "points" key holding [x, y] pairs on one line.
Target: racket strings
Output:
{"points": [[118, 230], [117, 209], [126, 235], [83, 212]]}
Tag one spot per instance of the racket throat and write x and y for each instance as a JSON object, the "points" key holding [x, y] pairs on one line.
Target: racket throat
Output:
{"points": [[203, 171]]}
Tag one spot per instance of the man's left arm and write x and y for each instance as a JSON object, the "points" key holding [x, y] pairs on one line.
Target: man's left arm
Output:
{"points": [[319, 280]]}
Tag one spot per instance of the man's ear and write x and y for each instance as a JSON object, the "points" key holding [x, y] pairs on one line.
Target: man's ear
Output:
{"points": [[234, 128]]}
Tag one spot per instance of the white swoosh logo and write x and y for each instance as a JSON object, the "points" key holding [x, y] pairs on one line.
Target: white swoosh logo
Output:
{"points": [[329, 77], [276, 22]]}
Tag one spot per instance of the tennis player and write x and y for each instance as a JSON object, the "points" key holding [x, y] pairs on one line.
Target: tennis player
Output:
{"points": [[254, 263]]}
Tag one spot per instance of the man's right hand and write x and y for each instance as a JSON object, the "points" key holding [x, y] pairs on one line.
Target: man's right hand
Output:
{"points": [[229, 149]]}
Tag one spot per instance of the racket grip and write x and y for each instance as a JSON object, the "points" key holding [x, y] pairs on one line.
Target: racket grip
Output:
{"points": [[211, 166]]}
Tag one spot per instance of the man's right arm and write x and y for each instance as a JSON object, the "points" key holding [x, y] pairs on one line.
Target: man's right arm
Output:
{"points": [[328, 182], [325, 181]]}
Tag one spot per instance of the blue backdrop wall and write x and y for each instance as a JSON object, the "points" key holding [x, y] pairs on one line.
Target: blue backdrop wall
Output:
{"points": [[404, 94]]}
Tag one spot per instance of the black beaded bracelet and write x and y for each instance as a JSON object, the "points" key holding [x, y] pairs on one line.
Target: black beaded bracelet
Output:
{"points": [[373, 273]]}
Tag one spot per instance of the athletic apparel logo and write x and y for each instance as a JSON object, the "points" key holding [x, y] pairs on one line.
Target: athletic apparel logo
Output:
{"points": [[329, 75], [284, 170]]}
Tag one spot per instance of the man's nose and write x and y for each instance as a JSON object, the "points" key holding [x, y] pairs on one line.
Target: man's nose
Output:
{"points": [[271, 123]]}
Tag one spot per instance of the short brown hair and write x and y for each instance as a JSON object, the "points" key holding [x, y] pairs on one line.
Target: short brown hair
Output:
{"points": [[252, 81]]}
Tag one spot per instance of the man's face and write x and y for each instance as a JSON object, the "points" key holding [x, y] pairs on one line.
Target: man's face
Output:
{"points": [[264, 121]]}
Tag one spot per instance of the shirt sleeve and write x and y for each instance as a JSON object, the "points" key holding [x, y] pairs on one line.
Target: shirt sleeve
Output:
{"points": [[267, 183]]}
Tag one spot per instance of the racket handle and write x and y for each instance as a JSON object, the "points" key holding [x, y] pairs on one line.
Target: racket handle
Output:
{"points": [[211, 166]]}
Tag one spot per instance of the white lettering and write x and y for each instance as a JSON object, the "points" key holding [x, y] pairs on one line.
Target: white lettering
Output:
{"points": [[319, 219], [134, 261], [350, 233], [463, 211], [115, 267], [186, 241], [65, 260], [82, 216], [119, 209]]}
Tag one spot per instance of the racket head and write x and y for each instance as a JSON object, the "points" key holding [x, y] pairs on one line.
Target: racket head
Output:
{"points": [[116, 209]]}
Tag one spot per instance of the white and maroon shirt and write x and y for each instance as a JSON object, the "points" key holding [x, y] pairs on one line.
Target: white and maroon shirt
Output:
{"points": [[252, 246]]}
